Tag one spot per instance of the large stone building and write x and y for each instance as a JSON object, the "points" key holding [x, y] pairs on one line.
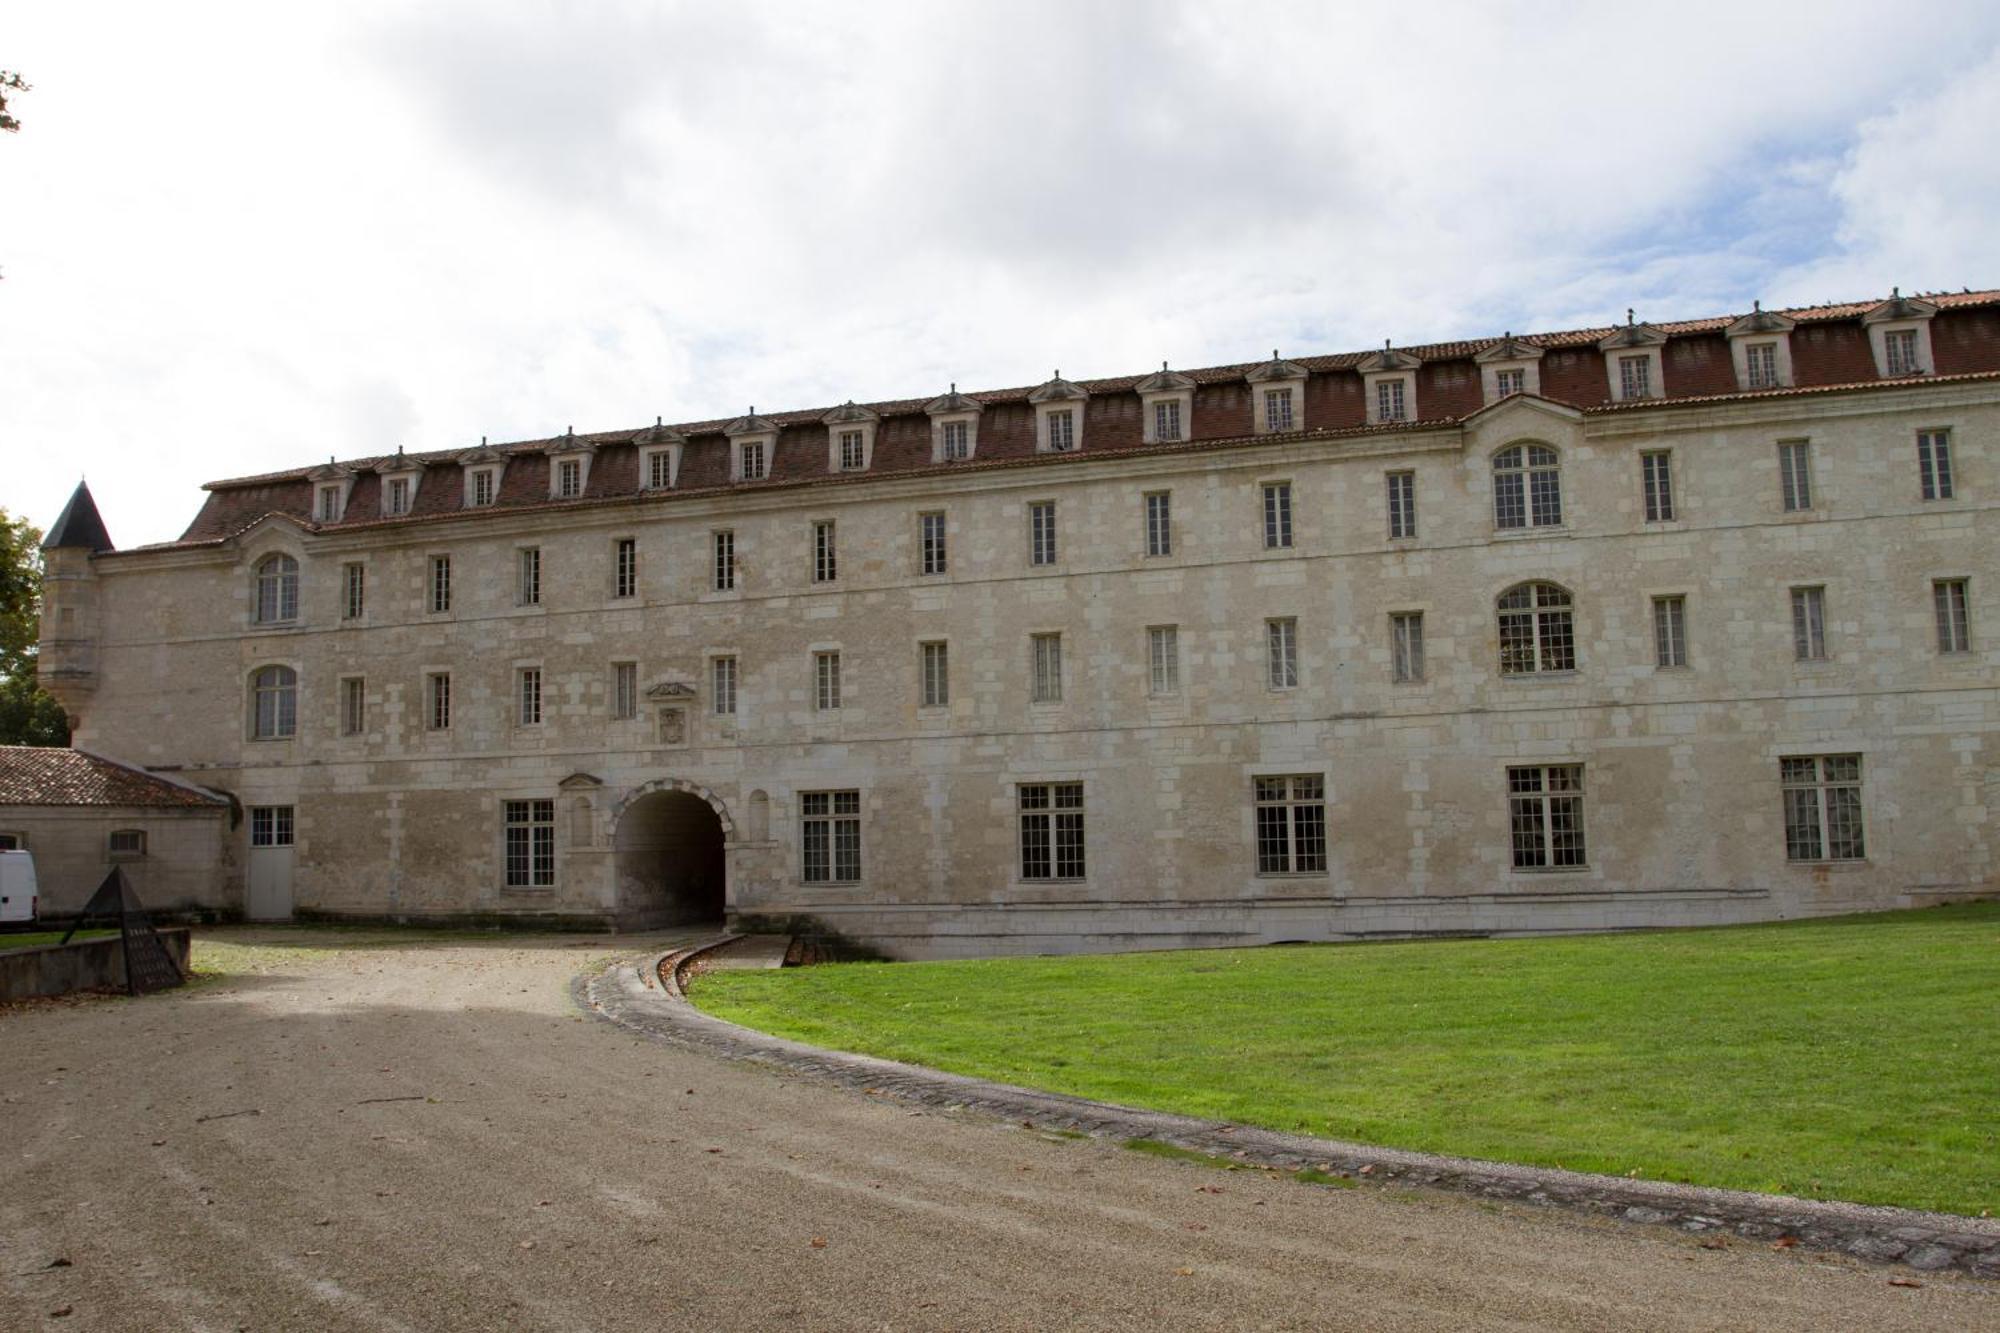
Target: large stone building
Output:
{"points": [[1644, 625]]}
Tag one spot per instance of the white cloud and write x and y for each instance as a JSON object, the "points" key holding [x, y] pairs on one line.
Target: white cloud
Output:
{"points": [[249, 236]]}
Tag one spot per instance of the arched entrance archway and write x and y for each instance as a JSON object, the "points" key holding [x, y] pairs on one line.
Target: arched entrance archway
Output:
{"points": [[669, 840]]}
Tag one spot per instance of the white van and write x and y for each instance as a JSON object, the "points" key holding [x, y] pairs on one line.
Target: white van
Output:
{"points": [[19, 896]]}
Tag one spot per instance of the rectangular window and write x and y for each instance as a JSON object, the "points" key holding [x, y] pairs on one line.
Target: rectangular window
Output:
{"points": [[271, 825], [956, 439], [1277, 409], [1281, 638], [725, 560], [1635, 377], [126, 844], [482, 488], [1046, 682], [1656, 483], [1509, 381], [528, 591], [1934, 463], [1670, 647], [826, 567], [1159, 523], [437, 701], [660, 470], [1042, 532], [625, 568], [1051, 830], [1291, 825], [569, 478], [1406, 638], [1167, 421], [752, 454], [1809, 624], [353, 706], [440, 583], [1277, 515], [853, 458], [1760, 362], [1402, 505], [329, 504], [531, 844], [932, 556], [1953, 626], [830, 836], [1822, 807], [826, 681], [1389, 400], [1062, 431], [354, 599], [624, 690], [399, 495], [1545, 809], [1795, 475], [1163, 656], [1901, 347], [529, 691], [722, 673], [934, 660]]}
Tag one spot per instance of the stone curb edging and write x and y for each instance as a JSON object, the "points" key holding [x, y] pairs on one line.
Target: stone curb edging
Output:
{"points": [[644, 995]]}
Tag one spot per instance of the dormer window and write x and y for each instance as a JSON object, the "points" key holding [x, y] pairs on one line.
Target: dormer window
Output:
{"points": [[659, 457], [1167, 401], [954, 426], [482, 468], [1279, 412], [569, 467], [753, 444], [1899, 333], [1635, 377], [750, 461], [569, 478], [326, 508], [850, 438], [1511, 365], [1389, 379], [331, 486], [1760, 345], [1507, 382], [1760, 366], [1389, 401], [398, 496], [483, 488], [1899, 352], [401, 476], [1059, 407], [1632, 361], [1277, 396]]}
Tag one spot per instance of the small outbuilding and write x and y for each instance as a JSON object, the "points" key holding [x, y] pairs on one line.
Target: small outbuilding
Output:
{"points": [[81, 814]]}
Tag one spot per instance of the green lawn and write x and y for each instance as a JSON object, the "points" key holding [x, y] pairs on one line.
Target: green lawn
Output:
{"points": [[1856, 1058], [36, 938]]}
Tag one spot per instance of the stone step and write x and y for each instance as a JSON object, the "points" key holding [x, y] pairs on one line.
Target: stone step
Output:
{"points": [[753, 951]]}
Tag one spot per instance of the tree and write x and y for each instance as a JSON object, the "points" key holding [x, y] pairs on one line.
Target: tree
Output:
{"points": [[27, 715], [10, 83]]}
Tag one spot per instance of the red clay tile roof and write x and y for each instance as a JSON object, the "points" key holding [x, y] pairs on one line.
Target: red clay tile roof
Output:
{"points": [[46, 775]]}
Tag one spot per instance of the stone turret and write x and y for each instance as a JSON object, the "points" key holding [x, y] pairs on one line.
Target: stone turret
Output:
{"points": [[67, 663]]}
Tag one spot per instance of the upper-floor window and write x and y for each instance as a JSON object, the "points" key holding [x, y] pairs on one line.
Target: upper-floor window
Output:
{"points": [[1899, 351], [1163, 656], [1635, 377], [826, 681], [440, 584], [1822, 807], [1537, 629], [1402, 505], [1934, 464], [1291, 825], [826, 556], [1809, 624], [1795, 475], [1042, 532], [853, 457], [528, 585], [724, 543], [934, 669], [569, 478], [1760, 365], [625, 568], [1045, 681], [955, 437], [398, 501], [1406, 647], [327, 507], [624, 690], [437, 701], [1390, 400], [528, 690], [354, 590], [1277, 515], [353, 705], [722, 686], [1167, 421], [1527, 487], [1670, 640], [1159, 523], [1513, 380], [750, 460], [1281, 652], [830, 837], [1062, 430], [482, 487], [932, 554], [1954, 625], [275, 703], [277, 590], [1278, 413], [1656, 484]]}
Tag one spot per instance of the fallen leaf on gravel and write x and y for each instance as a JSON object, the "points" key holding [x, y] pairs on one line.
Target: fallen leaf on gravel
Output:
{"points": [[1194, 1226], [711, 1150], [1183, 1272], [527, 1245], [159, 1143], [1904, 1282], [1784, 1242], [1367, 1170], [58, 1263], [62, 1312], [819, 1242]]}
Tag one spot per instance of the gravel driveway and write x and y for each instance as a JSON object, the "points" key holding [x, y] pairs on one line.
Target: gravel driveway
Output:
{"points": [[419, 1133]]}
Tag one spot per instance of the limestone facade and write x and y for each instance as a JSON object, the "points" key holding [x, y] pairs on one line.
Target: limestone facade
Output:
{"points": [[950, 721]]}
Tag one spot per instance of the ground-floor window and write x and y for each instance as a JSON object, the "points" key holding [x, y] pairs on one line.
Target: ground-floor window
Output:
{"points": [[1051, 830], [270, 826], [1545, 806], [13, 842], [830, 836], [127, 844], [1822, 807], [531, 844], [1291, 825]]}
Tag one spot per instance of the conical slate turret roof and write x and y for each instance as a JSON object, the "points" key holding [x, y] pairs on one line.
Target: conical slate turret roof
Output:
{"points": [[80, 525]]}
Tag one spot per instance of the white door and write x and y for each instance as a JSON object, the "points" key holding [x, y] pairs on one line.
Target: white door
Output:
{"points": [[270, 891]]}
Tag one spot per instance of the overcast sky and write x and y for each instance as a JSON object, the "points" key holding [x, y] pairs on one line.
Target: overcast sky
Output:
{"points": [[242, 237]]}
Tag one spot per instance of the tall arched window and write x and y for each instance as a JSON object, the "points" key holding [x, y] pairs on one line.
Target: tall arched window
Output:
{"points": [[275, 695], [1536, 629], [277, 589], [1527, 487]]}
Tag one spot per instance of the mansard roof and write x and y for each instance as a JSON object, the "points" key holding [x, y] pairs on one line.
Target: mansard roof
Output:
{"points": [[79, 526]]}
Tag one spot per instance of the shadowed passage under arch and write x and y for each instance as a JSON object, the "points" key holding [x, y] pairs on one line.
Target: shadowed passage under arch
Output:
{"points": [[670, 861]]}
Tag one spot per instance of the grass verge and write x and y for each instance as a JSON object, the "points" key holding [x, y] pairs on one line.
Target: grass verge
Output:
{"points": [[1853, 1058], [35, 939]]}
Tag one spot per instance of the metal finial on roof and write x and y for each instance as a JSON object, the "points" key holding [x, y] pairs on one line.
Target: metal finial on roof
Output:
{"points": [[658, 421], [1628, 316], [1757, 307], [1274, 354], [482, 442], [1057, 375], [1163, 365], [569, 433], [1895, 293], [954, 386], [399, 451]]}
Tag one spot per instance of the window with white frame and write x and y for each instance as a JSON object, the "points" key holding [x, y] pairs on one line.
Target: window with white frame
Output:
{"points": [[722, 686], [1402, 505], [1062, 429], [482, 487], [1052, 833], [1281, 653], [126, 844], [1656, 484], [1391, 400], [528, 582], [1406, 647], [1760, 365], [932, 554], [1809, 624], [531, 844], [1291, 824], [1527, 487], [1954, 625], [271, 825], [1159, 523], [274, 703], [826, 557], [853, 451], [1510, 381], [625, 567], [397, 501], [830, 837], [1822, 807], [277, 590], [1167, 421], [1042, 532], [1670, 647], [354, 590], [1277, 515], [1163, 657], [1795, 475], [1899, 351], [1545, 812], [353, 705], [934, 668], [826, 681], [1278, 413], [569, 478], [955, 440], [624, 690], [1635, 377], [1537, 630], [1934, 464], [659, 469], [724, 544], [328, 509], [1045, 678], [528, 691], [440, 584], [750, 460], [437, 701]]}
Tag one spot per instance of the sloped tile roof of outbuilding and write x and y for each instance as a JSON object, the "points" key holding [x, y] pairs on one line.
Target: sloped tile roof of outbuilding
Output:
{"points": [[47, 775]]}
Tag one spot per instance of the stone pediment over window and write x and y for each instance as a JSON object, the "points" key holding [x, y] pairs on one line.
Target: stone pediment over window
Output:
{"points": [[670, 690], [1510, 366], [580, 782], [1277, 368], [750, 424], [850, 438], [569, 466], [954, 426], [660, 449], [1059, 407], [1632, 365]]}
